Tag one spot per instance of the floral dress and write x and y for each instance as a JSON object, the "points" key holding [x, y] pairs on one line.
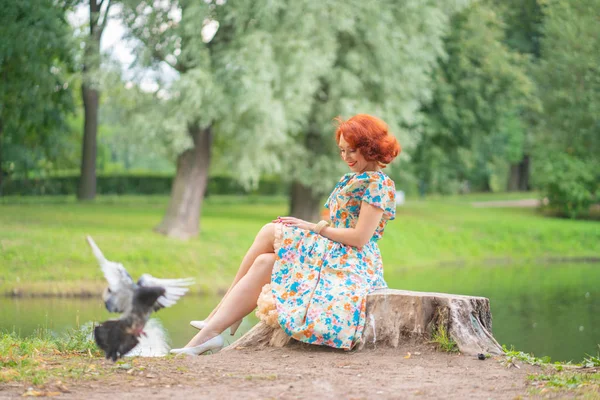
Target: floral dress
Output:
{"points": [[319, 285]]}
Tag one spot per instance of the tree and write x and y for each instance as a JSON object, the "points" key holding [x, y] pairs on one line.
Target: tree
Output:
{"points": [[123, 143], [385, 54], [245, 78], [568, 131], [99, 14], [34, 95], [523, 22], [480, 88]]}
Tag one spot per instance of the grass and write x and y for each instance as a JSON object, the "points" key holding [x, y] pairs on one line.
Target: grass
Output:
{"points": [[42, 247], [443, 340], [559, 379], [575, 384], [31, 359], [513, 355]]}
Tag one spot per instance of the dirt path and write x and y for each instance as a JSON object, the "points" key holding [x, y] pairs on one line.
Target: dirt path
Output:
{"points": [[294, 373]]}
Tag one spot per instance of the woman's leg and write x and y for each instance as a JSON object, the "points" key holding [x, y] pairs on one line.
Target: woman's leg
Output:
{"points": [[263, 244], [240, 301]]}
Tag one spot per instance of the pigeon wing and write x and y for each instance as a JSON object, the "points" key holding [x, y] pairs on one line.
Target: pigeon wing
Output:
{"points": [[174, 289], [117, 276]]}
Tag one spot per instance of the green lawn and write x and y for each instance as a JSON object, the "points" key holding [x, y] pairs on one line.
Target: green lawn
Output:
{"points": [[42, 246]]}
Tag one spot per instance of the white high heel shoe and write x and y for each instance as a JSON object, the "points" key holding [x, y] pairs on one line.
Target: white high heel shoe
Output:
{"points": [[201, 325], [198, 324], [213, 344]]}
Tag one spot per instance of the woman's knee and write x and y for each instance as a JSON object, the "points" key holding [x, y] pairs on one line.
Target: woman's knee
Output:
{"points": [[267, 233], [264, 261]]}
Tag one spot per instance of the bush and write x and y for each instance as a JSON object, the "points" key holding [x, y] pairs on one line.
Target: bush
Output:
{"points": [[570, 184], [142, 184]]}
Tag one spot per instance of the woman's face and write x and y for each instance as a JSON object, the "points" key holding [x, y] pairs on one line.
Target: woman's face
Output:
{"points": [[352, 157]]}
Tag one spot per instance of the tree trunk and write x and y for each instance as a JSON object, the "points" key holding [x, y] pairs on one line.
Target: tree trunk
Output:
{"points": [[87, 180], [91, 96], [304, 204], [394, 316], [518, 179], [513, 178], [524, 174], [182, 219]]}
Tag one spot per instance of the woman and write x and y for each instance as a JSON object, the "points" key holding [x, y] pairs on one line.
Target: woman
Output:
{"points": [[320, 274]]}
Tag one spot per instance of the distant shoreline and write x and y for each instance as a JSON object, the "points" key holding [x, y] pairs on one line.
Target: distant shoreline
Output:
{"points": [[93, 289]]}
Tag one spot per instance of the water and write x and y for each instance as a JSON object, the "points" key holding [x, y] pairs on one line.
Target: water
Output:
{"points": [[548, 310], [25, 315]]}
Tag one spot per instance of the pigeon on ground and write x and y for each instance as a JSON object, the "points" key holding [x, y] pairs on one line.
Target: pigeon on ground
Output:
{"points": [[135, 301]]}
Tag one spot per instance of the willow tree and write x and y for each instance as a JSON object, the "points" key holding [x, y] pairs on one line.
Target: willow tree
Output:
{"points": [[246, 72], [385, 54]]}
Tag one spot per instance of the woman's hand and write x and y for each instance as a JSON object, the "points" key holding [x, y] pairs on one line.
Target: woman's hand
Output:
{"points": [[291, 221]]}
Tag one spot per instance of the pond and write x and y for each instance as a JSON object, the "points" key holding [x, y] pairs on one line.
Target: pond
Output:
{"points": [[548, 310]]}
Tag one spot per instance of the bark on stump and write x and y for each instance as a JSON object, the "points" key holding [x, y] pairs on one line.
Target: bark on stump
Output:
{"points": [[396, 315]]}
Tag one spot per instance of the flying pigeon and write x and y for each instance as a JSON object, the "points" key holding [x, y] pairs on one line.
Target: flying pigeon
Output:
{"points": [[135, 301], [118, 337]]}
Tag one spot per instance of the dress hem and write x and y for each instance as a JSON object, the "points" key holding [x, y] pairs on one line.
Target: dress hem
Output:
{"points": [[278, 241]]}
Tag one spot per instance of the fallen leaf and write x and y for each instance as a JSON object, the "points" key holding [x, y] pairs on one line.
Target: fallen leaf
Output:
{"points": [[36, 393], [61, 386], [407, 355]]}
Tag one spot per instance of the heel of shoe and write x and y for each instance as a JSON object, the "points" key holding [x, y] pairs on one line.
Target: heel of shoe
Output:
{"points": [[233, 328]]}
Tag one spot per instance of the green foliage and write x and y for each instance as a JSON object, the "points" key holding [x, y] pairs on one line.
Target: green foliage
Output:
{"points": [[523, 19], [592, 361], [570, 184], [443, 340], [568, 131], [251, 81], [471, 126], [514, 355], [34, 96], [385, 53], [124, 143], [134, 184]]}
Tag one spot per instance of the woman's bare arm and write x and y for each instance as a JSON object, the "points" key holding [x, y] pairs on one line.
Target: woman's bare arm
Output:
{"points": [[368, 220]]}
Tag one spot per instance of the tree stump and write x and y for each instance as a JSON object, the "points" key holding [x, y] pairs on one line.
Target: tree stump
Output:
{"points": [[396, 315]]}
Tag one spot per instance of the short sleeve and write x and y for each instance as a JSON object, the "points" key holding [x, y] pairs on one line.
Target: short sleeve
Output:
{"points": [[380, 192]]}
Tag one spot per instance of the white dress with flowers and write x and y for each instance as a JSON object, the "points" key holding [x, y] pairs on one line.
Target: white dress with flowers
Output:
{"points": [[320, 286]]}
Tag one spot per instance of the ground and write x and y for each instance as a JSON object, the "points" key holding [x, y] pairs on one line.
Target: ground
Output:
{"points": [[412, 371]]}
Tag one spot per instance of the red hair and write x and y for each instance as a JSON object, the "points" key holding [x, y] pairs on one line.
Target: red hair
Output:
{"points": [[370, 136]]}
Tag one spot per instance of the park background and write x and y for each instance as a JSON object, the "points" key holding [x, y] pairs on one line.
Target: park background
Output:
{"points": [[220, 118]]}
